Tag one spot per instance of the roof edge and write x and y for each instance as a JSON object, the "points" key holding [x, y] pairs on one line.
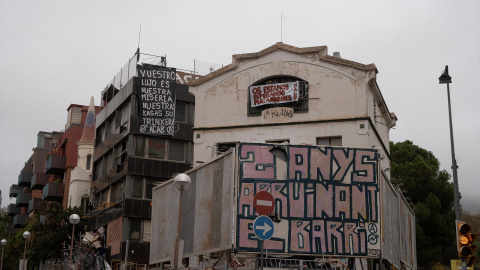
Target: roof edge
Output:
{"points": [[322, 52]]}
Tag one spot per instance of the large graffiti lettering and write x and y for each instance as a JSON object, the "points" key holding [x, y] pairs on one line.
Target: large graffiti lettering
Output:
{"points": [[326, 199]]}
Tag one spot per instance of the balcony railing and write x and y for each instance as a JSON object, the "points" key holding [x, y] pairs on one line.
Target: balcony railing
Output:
{"points": [[23, 199], [39, 180], [36, 204], [55, 165], [19, 221], [15, 190], [25, 179], [52, 192], [13, 210]]}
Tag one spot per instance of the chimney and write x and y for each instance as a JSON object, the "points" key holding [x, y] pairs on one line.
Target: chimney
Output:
{"points": [[336, 54]]}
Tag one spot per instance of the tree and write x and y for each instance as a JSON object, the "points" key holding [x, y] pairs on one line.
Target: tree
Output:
{"points": [[11, 250], [431, 195], [51, 234]]}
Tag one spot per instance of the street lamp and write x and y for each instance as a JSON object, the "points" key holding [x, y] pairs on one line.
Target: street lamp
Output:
{"points": [[74, 219], [445, 78], [4, 242], [26, 235], [182, 182]]}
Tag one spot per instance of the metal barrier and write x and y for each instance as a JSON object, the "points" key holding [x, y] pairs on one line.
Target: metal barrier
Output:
{"points": [[120, 265], [329, 264]]}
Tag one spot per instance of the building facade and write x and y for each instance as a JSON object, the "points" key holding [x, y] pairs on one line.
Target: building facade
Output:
{"points": [[81, 175], [31, 181], [339, 102], [47, 173], [143, 136], [310, 128]]}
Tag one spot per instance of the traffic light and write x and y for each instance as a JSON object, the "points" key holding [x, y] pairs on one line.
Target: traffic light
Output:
{"points": [[465, 240]]}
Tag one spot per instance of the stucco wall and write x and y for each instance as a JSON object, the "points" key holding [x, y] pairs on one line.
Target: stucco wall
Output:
{"points": [[341, 99], [224, 99]]}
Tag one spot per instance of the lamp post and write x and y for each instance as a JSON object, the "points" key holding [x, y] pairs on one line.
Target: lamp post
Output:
{"points": [[445, 78], [26, 235], [182, 182], [4, 242], [74, 219]]}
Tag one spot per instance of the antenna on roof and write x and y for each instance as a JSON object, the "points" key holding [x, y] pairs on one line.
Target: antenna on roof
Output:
{"points": [[281, 27], [139, 32]]}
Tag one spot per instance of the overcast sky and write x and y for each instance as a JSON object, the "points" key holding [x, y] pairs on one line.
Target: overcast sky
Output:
{"points": [[55, 53]]}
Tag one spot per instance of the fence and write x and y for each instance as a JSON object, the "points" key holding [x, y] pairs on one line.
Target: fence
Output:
{"points": [[119, 265], [85, 262], [301, 264]]}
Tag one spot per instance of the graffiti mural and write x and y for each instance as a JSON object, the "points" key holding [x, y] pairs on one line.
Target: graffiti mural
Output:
{"points": [[326, 199]]}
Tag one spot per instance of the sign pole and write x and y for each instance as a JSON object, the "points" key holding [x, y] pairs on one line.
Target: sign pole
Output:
{"points": [[261, 258]]}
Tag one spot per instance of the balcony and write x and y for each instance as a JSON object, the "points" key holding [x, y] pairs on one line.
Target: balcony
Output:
{"points": [[55, 165], [15, 190], [36, 204], [13, 210], [53, 192], [19, 221], [39, 180], [25, 179], [23, 199]]}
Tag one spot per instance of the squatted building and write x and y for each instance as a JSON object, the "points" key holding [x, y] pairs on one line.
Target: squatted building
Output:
{"points": [[312, 130], [143, 136]]}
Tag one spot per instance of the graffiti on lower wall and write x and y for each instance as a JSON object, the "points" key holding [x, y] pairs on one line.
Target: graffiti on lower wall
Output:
{"points": [[326, 199]]}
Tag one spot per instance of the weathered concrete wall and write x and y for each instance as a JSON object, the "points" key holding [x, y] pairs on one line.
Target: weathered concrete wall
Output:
{"points": [[398, 228], [207, 212]]}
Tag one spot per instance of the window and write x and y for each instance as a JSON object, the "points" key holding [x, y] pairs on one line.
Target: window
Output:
{"points": [[149, 191], [285, 141], [176, 151], [142, 188], [298, 106], [100, 136], [223, 147], [135, 229], [332, 141], [84, 203], [97, 169], [137, 187], [156, 148], [89, 162], [122, 116], [159, 148], [139, 146], [180, 112], [116, 194], [109, 161], [120, 155]]}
